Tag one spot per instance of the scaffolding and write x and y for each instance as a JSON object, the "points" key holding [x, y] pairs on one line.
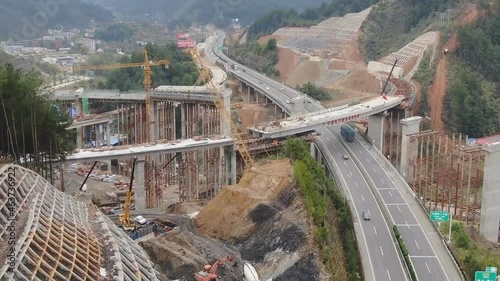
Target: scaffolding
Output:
{"points": [[447, 174]]}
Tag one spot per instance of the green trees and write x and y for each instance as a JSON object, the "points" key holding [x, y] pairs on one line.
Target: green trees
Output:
{"points": [[31, 124], [273, 20], [260, 57], [182, 70], [115, 33], [329, 211], [314, 91]]}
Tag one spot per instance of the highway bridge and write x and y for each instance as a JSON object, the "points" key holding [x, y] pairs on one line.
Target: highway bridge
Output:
{"points": [[383, 260]]}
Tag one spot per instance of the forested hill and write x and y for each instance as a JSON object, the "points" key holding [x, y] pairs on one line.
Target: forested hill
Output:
{"points": [[23, 19], [472, 104], [177, 12], [270, 22]]}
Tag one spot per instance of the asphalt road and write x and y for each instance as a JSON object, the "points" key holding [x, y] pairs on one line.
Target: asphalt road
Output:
{"points": [[426, 263], [385, 263]]}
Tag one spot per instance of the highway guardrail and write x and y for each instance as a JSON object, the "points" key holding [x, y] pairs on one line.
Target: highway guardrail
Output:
{"points": [[443, 240], [341, 186], [408, 265]]}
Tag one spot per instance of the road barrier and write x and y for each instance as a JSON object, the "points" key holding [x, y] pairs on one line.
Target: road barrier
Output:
{"points": [[408, 266], [443, 240]]}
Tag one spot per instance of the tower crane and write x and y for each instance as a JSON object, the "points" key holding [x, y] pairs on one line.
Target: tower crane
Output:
{"points": [[146, 68], [219, 103]]}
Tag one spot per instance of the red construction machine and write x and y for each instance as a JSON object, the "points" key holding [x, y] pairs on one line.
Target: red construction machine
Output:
{"points": [[209, 273]]}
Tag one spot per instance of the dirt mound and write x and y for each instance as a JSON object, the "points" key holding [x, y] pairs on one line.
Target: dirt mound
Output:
{"points": [[361, 81], [304, 269], [252, 114], [227, 216], [307, 71], [288, 60], [264, 39]]}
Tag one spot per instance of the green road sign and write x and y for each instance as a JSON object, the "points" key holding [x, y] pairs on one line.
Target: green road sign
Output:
{"points": [[485, 276], [440, 216], [491, 269]]}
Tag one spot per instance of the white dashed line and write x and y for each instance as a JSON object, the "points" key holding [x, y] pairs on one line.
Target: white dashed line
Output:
{"points": [[362, 197], [389, 275], [390, 193], [398, 208], [382, 251], [428, 269], [382, 181], [350, 173], [357, 186], [417, 244], [375, 230]]}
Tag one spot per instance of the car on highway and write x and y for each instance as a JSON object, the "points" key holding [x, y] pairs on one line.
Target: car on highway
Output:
{"points": [[267, 88], [366, 215], [346, 157]]}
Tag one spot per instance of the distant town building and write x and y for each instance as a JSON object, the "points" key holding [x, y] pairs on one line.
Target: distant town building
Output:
{"points": [[87, 43]]}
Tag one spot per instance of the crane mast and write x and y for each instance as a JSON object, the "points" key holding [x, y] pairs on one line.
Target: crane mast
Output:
{"points": [[219, 103]]}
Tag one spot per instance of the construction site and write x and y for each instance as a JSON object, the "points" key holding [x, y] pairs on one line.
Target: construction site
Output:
{"points": [[207, 204]]}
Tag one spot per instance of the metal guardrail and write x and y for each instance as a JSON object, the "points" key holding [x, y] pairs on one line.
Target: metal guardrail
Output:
{"points": [[443, 240], [343, 190], [378, 198]]}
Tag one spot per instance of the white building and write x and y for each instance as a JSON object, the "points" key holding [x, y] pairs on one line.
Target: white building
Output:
{"points": [[88, 43]]}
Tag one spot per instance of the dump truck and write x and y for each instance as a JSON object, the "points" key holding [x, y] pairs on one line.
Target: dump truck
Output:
{"points": [[347, 132]]}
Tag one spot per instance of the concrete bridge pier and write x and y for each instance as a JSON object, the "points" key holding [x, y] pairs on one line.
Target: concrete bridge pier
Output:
{"points": [[230, 154], [139, 188], [490, 202], [409, 126], [376, 130]]}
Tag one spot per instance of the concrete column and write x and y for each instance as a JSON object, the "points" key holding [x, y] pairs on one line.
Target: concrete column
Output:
{"points": [[153, 127], [139, 188], [409, 126], [376, 130], [257, 94], [249, 89], [108, 134], [225, 126], [79, 138], [490, 202], [275, 112], [183, 121], [313, 150], [230, 153]]}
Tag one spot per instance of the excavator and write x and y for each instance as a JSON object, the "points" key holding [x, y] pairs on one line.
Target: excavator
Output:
{"points": [[209, 273], [124, 218]]}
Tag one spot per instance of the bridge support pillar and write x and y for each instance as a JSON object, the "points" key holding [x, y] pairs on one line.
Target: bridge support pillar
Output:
{"points": [[139, 191], [490, 203], [313, 150], [409, 126], [79, 138], [153, 127], [376, 130], [230, 154], [108, 134], [225, 126]]}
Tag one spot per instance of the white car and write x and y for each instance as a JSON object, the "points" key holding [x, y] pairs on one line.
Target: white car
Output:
{"points": [[140, 220]]}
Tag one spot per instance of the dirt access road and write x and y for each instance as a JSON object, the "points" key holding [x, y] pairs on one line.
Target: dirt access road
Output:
{"points": [[438, 88]]}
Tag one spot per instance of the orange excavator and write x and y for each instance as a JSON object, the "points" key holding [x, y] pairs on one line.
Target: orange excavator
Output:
{"points": [[209, 273]]}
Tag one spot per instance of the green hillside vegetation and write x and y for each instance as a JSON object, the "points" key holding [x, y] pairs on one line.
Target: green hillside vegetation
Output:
{"points": [[393, 24], [472, 104], [273, 20], [315, 92], [329, 212], [115, 33], [257, 56], [182, 70], [183, 13], [71, 14], [30, 123]]}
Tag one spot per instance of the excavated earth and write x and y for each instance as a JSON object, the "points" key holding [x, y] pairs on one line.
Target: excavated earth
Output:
{"points": [[261, 220]]}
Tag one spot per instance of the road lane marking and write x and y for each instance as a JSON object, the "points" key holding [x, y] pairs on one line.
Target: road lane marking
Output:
{"points": [[389, 275], [332, 144], [350, 173], [396, 204], [362, 197], [345, 163], [424, 257], [367, 161], [382, 181], [360, 151], [390, 193], [417, 244], [374, 229], [398, 208], [339, 154], [374, 169], [356, 184], [428, 269], [408, 225], [382, 251], [386, 188]]}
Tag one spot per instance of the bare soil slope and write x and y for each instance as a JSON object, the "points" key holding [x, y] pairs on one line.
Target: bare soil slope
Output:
{"points": [[288, 60], [227, 216], [252, 114]]}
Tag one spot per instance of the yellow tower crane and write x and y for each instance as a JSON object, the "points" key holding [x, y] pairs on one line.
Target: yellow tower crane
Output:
{"points": [[125, 219], [146, 68], [219, 103]]}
